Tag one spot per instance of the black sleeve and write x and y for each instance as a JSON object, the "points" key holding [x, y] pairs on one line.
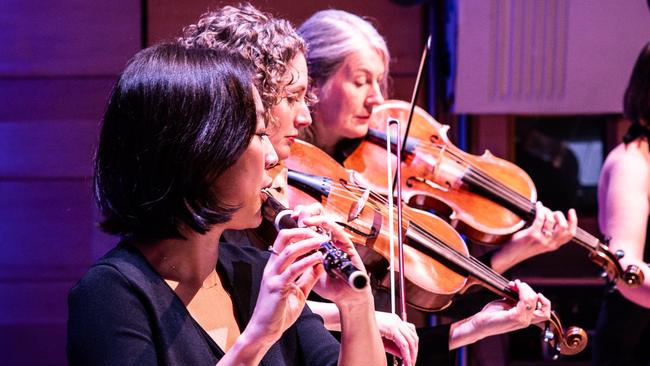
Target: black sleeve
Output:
{"points": [[434, 346], [316, 343], [107, 324], [306, 342]]}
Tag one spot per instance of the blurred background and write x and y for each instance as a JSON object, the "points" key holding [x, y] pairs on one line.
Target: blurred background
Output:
{"points": [[537, 82]]}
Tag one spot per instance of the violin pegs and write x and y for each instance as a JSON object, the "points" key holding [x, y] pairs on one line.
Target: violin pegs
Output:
{"points": [[611, 288], [556, 352], [548, 334], [620, 253], [610, 282]]}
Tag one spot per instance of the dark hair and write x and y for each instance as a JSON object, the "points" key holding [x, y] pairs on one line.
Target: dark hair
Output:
{"points": [[636, 102], [176, 120]]}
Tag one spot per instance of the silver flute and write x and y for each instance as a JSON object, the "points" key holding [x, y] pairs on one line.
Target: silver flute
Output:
{"points": [[335, 261]]}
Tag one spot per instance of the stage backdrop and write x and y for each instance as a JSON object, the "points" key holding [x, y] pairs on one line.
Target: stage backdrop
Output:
{"points": [[547, 56]]}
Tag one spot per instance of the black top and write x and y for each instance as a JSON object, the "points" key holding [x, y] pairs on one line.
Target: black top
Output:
{"points": [[123, 313]]}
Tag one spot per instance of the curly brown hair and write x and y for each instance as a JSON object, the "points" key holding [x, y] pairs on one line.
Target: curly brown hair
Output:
{"points": [[269, 43]]}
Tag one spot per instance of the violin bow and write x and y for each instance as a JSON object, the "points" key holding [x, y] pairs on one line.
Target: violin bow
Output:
{"points": [[401, 142], [400, 237], [414, 97]]}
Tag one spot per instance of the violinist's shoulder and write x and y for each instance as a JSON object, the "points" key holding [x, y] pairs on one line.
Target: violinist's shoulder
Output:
{"points": [[628, 159]]}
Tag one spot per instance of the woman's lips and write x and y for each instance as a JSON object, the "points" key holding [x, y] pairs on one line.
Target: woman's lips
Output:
{"points": [[362, 119]]}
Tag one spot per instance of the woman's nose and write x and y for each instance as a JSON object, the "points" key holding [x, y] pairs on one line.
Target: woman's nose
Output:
{"points": [[375, 97], [303, 119], [270, 157]]}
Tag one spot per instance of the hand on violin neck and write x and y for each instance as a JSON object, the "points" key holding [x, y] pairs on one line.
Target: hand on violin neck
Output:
{"points": [[502, 316], [547, 232]]}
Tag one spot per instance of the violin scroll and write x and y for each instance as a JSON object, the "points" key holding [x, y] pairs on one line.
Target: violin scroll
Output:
{"points": [[632, 276], [574, 341], [569, 342]]}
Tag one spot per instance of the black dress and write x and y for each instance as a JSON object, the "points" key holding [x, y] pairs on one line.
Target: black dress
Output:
{"points": [[123, 313], [623, 328]]}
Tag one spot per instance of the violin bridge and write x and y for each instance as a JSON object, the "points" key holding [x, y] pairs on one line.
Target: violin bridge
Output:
{"points": [[358, 206], [438, 163]]}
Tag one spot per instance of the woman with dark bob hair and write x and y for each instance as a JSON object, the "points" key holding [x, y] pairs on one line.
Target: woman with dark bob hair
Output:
{"points": [[183, 155]]}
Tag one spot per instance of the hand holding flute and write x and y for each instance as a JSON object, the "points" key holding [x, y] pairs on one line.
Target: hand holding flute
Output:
{"points": [[335, 261]]}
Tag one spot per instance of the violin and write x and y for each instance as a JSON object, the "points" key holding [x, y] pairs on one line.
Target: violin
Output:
{"points": [[436, 260], [484, 197]]}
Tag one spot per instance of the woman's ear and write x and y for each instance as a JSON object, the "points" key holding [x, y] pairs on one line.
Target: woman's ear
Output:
{"points": [[314, 91], [313, 96]]}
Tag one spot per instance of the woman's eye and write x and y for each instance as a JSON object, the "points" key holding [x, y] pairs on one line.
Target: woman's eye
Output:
{"points": [[292, 98], [262, 135]]}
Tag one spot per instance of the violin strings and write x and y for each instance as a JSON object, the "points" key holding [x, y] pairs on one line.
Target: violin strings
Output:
{"points": [[523, 202], [486, 181], [494, 187], [483, 180], [480, 266], [476, 176], [473, 265], [581, 237], [378, 202], [452, 254], [479, 178]]}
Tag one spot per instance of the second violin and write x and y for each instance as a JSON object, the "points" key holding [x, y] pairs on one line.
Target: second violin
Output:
{"points": [[484, 197]]}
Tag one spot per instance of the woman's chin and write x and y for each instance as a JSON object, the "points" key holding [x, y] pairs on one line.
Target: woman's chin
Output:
{"points": [[283, 151], [359, 131], [249, 222]]}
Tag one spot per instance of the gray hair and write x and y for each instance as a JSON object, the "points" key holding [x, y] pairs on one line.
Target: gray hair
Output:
{"points": [[330, 36]]}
